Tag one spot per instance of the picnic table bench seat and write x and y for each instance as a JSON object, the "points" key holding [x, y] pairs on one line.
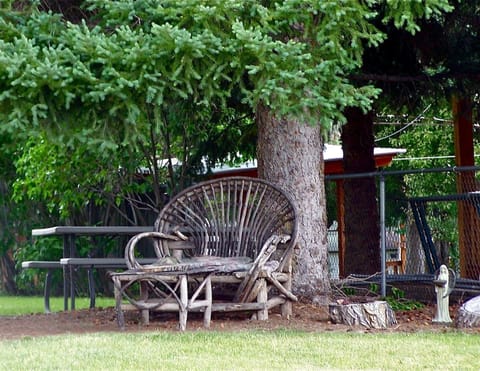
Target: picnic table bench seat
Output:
{"points": [[88, 263], [233, 237], [50, 266]]}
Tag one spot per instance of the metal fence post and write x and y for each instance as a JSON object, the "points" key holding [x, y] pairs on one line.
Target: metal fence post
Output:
{"points": [[383, 236]]}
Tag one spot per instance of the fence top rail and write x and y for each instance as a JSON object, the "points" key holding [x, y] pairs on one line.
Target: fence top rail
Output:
{"points": [[382, 172], [473, 196]]}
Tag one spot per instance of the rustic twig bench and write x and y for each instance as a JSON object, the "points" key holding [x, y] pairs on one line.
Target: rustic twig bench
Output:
{"points": [[233, 237]]}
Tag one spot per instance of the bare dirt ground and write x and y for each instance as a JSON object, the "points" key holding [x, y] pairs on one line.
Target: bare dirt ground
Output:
{"points": [[306, 317]]}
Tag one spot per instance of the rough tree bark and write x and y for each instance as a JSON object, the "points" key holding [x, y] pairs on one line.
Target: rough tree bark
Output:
{"points": [[7, 273], [376, 314], [290, 154], [467, 221], [362, 243]]}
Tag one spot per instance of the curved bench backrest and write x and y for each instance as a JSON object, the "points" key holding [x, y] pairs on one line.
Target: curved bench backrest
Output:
{"points": [[229, 217]]}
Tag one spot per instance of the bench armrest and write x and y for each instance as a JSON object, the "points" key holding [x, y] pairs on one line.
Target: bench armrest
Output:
{"points": [[245, 288], [131, 260]]}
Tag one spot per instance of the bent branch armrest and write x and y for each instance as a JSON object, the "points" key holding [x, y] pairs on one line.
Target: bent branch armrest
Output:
{"points": [[266, 252], [130, 259]]}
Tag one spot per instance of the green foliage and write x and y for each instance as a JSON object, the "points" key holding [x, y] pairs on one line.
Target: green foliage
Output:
{"points": [[142, 54], [395, 298], [31, 281], [108, 84], [140, 57], [88, 104], [10, 214], [246, 39], [424, 142], [126, 94], [349, 291], [16, 218], [429, 144], [69, 178], [397, 301], [404, 14]]}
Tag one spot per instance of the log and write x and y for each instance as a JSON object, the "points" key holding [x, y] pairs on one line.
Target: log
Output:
{"points": [[376, 314], [468, 314]]}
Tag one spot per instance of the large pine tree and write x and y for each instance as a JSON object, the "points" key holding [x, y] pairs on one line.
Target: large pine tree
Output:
{"points": [[289, 61]]}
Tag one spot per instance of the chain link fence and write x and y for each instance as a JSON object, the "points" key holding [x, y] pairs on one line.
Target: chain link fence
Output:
{"points": [[430, 217]]}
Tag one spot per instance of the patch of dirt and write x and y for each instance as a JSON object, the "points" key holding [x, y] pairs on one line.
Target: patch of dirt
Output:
{"points": [[305, 317]]}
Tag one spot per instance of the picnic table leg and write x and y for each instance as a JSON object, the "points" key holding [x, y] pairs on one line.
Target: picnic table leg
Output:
{"points": [[91, 286], [68, 271], [72, 270], [72, 288], [46, 292], [65, 270]]}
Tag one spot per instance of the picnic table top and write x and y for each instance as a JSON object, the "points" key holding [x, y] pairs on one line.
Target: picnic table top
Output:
{"points": [[90, 230]]}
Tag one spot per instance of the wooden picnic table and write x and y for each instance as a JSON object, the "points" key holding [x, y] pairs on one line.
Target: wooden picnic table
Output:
{"points": [[69, 234]]}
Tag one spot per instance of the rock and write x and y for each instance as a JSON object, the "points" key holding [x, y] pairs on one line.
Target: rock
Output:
{"points": [[469, 314]]}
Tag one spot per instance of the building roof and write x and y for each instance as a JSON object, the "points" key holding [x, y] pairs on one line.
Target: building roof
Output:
{"points": [[332, 156]]}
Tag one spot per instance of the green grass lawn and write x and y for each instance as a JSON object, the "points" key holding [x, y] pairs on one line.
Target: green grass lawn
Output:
{"points": [[226, 350], [18, 305], [243, 350]]}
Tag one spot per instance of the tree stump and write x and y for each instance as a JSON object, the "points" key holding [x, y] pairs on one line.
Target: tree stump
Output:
{"points": [[376, 314], [469, 314]]}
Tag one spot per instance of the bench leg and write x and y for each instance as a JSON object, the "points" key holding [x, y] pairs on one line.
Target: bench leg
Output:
{"points": [[117, 289], [262, 297], [207, 315], [183, 305], [144, 313], [145, 317], [287, 307]]}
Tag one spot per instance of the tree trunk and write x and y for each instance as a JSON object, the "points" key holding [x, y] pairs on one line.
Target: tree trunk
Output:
{"points": [[468, 224], [362, 232], [7, 273], [377, 314], [290, 154]]}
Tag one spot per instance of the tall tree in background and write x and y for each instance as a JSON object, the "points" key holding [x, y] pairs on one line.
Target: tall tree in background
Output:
{"points": [[414, 70], [429, 72], [362, 252]]}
